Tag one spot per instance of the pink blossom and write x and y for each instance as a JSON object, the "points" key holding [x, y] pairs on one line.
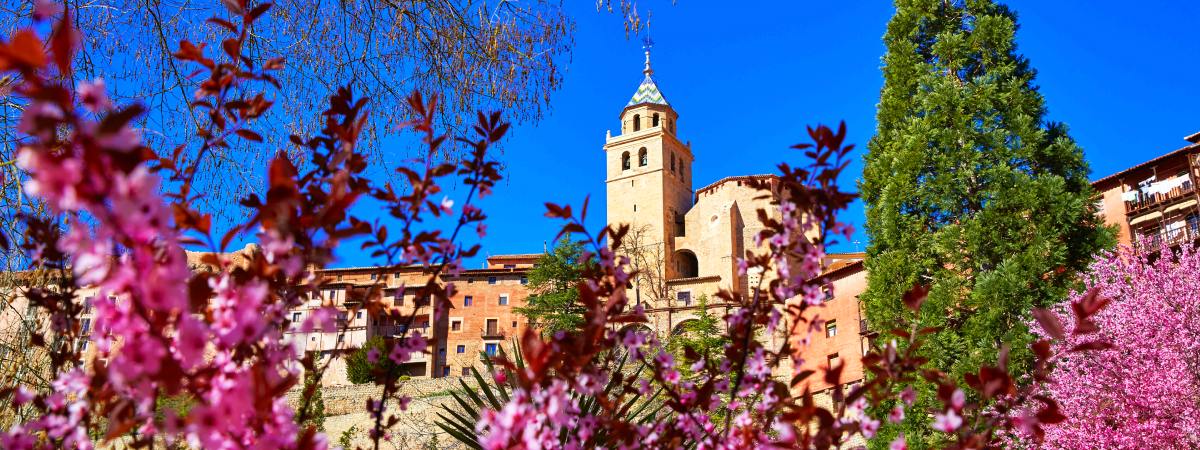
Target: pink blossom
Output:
{"points": [[44, 10], [93, 96], [123, 140], [898, 444], [869, 427], [957, 399], [896, 415], [190, 342], [908, 395], [947, 422]]}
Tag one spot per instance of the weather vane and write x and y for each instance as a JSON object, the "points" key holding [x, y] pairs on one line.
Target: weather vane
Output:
{"points": [[646, 44]]}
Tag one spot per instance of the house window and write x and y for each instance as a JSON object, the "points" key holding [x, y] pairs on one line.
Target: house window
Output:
{"points": [[514, 325], [643, 157], [339, 278], [87, 305], [637, 122], [510, 266], [503, 299], [460, 349], [442, 351], [832, 360], [625, 161], [372, 276], [341, 338], [399, 300], [1193, 224], [828, 290], [684, 297], [396, 276], [467, 300], [672, 162], [491, 349], [492, 328], [524, 280], [491, 280], [831, 328], [87, 326], [654, 120], [456, 325], [295, 317], [466, 372], [445, 371], [358, 315]]}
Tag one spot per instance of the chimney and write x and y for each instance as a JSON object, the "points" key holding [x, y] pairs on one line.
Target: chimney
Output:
{"points": [[1194, 138]]}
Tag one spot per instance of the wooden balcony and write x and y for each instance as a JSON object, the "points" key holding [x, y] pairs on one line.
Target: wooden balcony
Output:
{"points": [[1150, 202]]}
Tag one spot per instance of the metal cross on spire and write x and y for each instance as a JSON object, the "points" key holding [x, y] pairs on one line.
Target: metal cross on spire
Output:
{"points": [[647, 43]]}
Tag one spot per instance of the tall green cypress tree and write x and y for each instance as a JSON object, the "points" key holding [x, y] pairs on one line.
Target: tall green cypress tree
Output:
{"points": [[969, 191]]}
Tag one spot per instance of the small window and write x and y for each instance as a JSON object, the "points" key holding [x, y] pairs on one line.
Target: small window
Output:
{"points": [[470, 280], [832, 360], [456, 325], [467, 301], [399, 300], [466, 372], [460, 349], [510, 266], [397, 276], [831, 328], [358, 315], [372, 276], [672, 162], [491, 349], [514, 325], [87, 326], [339, 278], [643, 157], [654, 120], [524, 280], [625, 161], [295, 317], [442, 351], [684, 297], [445, 371], [503, 300], [491, 280], [341, 338], [828, 290], [637, 122]]}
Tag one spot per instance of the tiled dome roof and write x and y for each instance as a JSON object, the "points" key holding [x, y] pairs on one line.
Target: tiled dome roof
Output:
{"points": [[647, 92]]}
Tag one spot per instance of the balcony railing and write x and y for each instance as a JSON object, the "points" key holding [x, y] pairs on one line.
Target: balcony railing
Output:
{"points": [[1153, 242], [1148, 201]]}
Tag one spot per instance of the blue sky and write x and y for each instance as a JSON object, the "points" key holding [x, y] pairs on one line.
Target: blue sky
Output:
{"points": [[746, 80]]}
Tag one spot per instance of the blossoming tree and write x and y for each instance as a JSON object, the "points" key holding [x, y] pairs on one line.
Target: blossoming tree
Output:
{"points": [[1144, 391]]}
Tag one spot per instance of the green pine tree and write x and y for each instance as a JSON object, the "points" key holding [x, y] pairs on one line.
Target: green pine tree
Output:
{"points": [[554, 301], [969, 191]]}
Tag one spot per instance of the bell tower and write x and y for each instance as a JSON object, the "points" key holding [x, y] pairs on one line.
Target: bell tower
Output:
{"points": [[649, 181]]}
